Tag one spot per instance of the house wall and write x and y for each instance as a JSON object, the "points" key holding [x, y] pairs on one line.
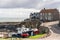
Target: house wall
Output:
{"points": [[45, 16], [56, 16], [49, 15]]}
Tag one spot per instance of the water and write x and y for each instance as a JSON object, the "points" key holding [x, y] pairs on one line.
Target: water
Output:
{"points": [[11, 19]]}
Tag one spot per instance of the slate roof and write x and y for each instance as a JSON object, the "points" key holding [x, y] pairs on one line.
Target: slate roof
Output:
{"points": [[49, 10]]}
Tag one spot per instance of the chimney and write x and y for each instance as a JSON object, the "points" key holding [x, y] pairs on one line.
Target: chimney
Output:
{"points": [[44, 8]]}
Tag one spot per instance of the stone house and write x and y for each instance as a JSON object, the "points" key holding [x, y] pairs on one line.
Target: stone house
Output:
{"points": [[49, 14]]}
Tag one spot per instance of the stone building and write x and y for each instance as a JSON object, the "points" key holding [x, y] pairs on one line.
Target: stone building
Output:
{"points": [[49, 14]]}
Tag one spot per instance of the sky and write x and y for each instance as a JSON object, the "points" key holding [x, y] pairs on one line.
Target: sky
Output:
{"points": [[22, 8], [36, 4]]}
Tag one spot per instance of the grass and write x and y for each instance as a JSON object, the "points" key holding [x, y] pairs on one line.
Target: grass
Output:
{"points": [[32, 37], [10, 39], [37, 36]]}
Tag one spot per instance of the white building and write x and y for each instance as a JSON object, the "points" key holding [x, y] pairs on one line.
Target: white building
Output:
{"points": [[22, 29], [34, 16]]}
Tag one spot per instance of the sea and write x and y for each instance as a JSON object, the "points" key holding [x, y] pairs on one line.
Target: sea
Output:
{"points": [[11, 19]]}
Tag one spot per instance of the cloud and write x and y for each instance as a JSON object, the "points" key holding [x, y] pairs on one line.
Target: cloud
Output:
{"points": [[17, 3], [37, 4], [53, 5], [16, 13]]}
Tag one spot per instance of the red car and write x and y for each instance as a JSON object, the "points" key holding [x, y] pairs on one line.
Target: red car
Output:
{"points": [[36, 32], [24, 35]]}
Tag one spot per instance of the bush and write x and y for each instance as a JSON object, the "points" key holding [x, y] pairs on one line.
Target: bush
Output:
{"points": [[44, 30]]}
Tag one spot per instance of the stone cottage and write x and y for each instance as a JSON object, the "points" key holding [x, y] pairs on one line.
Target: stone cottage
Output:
{"points": [[49, 14]]}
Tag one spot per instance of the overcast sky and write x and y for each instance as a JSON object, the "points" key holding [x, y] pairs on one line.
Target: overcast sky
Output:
{"points": [[23, 8], [36, 4]]}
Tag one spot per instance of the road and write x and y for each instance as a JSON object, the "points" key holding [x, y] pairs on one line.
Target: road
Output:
{"points": [[55, 30]]}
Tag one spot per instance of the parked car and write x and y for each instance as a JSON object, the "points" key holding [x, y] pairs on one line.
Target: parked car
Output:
{"points": [[25, 35]]}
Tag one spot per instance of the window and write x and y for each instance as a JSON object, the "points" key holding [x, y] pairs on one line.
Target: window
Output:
{"points": [[49, 16], [41, 18], [40, 14], [45, 16]]}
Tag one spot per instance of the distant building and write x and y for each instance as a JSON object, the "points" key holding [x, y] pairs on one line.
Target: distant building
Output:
{"points": [[34, 16], [49, 14]]}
